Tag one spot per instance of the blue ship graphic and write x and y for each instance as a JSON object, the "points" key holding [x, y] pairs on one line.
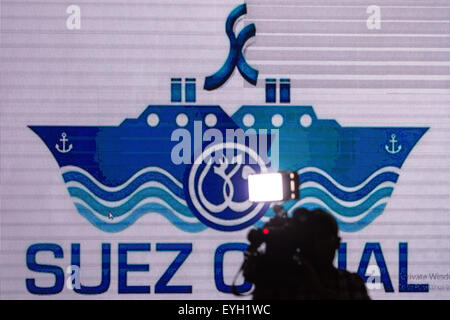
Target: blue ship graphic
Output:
{"points": [[348, 171], [116, 174]]}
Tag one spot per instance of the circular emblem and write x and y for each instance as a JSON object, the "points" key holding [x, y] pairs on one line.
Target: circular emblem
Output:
{"points": [[217, 187]]}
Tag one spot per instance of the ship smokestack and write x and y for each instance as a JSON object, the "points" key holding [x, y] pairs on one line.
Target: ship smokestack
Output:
{"points": [[176, 94], [284, 90]]}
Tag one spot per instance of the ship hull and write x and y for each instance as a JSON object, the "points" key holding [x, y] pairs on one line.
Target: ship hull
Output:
{"points": [[128, 170]]}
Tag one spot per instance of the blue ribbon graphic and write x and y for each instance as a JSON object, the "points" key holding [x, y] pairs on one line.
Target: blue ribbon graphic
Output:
{"points": [[235, 55]]}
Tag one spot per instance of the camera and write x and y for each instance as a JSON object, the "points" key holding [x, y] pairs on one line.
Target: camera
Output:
{"points": [[273, 256], [275, 249]]}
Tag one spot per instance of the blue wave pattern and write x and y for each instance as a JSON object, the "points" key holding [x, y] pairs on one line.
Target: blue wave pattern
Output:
{"points": [[344, 195], [127, 190], [354, 207], [152, 190]]}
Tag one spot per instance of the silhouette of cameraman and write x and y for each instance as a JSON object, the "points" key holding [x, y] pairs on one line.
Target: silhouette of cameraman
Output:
{"points": [[298, 261]]}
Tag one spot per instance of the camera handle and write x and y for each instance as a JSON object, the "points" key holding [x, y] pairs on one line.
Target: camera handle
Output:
{"points": [[234, 289]]}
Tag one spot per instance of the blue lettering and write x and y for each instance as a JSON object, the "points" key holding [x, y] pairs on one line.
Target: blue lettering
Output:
{"points": [[342, 256], [45, 268], [106, 269], [185, 250], [379, 258], [403, 285], [218, 267], [124, 267]]}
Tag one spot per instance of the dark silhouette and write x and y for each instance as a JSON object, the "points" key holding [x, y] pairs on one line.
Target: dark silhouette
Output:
{"points": [[298, 259]]}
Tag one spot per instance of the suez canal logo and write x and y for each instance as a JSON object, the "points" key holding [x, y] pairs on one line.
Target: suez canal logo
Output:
{"points": [[229, 213], [167, 162], [190, 163]]}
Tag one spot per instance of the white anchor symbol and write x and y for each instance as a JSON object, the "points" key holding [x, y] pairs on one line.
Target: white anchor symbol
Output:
{"points": [[63, 140], [393, 150]]}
